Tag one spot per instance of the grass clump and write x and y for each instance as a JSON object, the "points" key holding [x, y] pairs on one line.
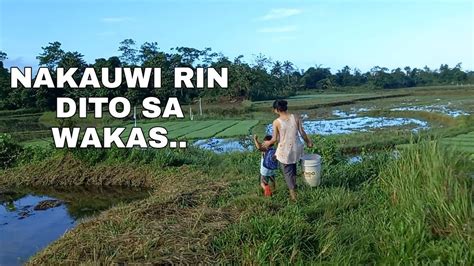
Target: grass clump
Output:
{"points": [[416, 207], [430, 199]]}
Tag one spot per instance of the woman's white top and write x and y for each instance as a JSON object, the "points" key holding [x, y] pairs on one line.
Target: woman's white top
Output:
{"points": [[290, 148]]}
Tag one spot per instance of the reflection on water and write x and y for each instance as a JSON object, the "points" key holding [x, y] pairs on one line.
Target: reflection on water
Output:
{"points": [[354, 159], [444, 109], [357, 124], [31, 219], [347, 125], [225, 145]]}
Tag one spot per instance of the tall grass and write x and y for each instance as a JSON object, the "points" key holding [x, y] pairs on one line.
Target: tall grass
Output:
{"points": [[430, 204], [416, 208]]}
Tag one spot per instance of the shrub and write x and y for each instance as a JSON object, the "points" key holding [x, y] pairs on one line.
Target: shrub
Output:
{"points": [[33, 154], [327, 148], [10, 151], [353, 175]]}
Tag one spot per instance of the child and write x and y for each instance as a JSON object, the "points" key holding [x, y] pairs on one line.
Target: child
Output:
{"points": [[266, 175]]}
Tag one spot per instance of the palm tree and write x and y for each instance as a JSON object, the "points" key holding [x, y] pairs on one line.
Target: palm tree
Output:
{"points": [[288, 68]]}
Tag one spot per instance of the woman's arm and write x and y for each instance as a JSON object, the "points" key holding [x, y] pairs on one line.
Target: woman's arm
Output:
{"points": [[303, 134]]}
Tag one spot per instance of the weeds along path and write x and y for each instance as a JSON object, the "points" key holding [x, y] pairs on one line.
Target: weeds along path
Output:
{"points": [[66, 170], [174, 225]]}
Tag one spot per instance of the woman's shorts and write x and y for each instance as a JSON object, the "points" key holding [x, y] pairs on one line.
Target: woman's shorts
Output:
{"points": [[289, 172]]}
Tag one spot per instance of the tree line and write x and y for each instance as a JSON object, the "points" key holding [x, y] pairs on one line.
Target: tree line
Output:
{"points": [[260, 80]]}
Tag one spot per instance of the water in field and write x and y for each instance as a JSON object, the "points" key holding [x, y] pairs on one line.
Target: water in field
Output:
{"points": [[30, 220], [352, 113], [444, 109], [220, 145], [358, 124], [349, 124]]}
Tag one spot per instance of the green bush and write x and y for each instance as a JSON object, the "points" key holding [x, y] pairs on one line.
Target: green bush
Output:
{"points": [[10, 151], [33, 154], [327, 148], [137, 156], [352, 175]]}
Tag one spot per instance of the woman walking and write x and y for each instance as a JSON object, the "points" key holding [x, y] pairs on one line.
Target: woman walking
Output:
{"points": [[287, 129]]}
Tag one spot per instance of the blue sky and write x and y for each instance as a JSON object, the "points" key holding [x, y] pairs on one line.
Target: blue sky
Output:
{"points": [[360, 34]]}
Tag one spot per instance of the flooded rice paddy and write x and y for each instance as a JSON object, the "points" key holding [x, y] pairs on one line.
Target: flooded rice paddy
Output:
{"points": [[358, 124], [347, 125]]}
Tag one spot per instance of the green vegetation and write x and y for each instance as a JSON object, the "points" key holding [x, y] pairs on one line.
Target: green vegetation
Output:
{"points": [[210, 130], [327, 100], [263, 80], [411, 207], [463, 142], [242, 128], [416, 208]]}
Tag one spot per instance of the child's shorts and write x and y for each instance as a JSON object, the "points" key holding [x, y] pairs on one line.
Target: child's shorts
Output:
{"points": [[265, 171], [266, 174]]}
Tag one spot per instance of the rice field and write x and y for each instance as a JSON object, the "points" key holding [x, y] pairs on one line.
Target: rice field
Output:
{"points": [[317, 100], [200, 129], [463, 142], [240, 129]]}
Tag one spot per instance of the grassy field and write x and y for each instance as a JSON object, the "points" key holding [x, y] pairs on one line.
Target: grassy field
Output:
{"points": [[199, 129], [462, 142], [206, 208], [323, 100]]}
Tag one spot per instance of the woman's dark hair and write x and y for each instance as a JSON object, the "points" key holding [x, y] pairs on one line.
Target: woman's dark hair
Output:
{"points": [[280, 105]]}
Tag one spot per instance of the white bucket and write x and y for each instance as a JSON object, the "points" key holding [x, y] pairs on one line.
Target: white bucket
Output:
{"points": [[312, 169]]}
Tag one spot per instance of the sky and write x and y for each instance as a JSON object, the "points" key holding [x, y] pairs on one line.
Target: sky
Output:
{"points": [[325, 33]]}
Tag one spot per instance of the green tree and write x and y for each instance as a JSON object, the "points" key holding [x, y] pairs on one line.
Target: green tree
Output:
{"points": [[313, 75], [277, 69], [147, 51], [51, 55], [288, 68], [262, 62], [129, 55], [4, 83]]}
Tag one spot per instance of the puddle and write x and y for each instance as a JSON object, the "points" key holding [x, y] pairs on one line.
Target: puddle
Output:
{"points": [[353, 112], [342, 114], [357, 124], [31, 219], [219, 145], [354, 159], [444, 109], [323, 127]]}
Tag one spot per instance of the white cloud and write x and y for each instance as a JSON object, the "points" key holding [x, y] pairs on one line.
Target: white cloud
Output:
{"points": [[115, 19], [279, 13], [277, 29]]}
